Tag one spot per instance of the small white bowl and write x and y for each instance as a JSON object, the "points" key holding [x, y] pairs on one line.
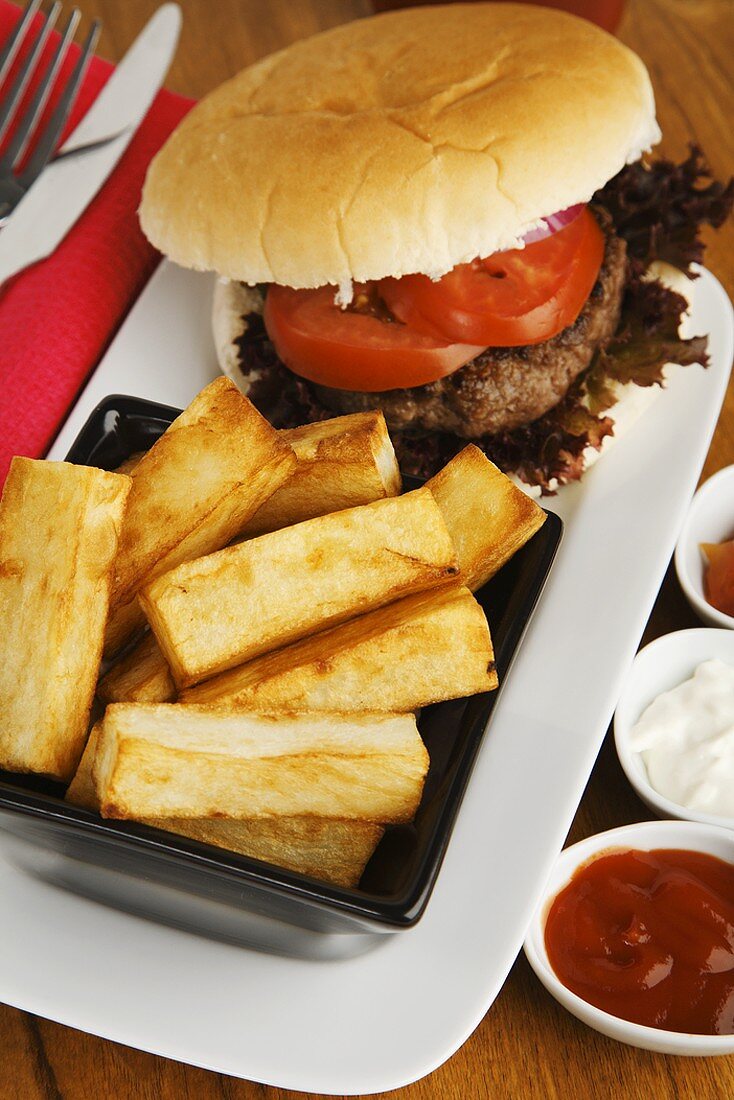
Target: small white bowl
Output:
{"points": [[645, 836], [710, 519], [661, 666]]}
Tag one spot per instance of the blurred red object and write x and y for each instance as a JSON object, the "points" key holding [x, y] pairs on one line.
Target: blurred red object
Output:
{"points": [[58, 316], [605, 13]]}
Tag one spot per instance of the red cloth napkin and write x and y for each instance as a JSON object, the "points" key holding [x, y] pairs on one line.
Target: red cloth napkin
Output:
{"points": [[57, 318]]}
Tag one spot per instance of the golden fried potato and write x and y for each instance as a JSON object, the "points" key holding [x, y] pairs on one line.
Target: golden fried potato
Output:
{"points": [[142, 676], [192, 492], [81, 791], [326, 848], [416, 651], [334, 850], [342, 463], [219, 611], [125, 622], [128, 465], [172, 760], [488, 517], [59, 530]]}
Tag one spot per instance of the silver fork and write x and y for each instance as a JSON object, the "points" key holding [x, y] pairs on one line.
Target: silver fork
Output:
{"points": [[14, 184]]}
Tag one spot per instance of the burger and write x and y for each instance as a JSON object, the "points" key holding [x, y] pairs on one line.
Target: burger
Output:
{"points": [[443, 213]]}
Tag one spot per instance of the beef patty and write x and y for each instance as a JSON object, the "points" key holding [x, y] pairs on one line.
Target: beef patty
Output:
{"points": [[499, 390]]}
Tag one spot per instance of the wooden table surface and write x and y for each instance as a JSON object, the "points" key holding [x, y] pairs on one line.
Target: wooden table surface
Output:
{"points": [[526, 1046]]}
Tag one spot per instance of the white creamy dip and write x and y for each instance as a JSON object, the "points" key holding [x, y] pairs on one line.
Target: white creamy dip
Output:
{"points": [[686, 740]]}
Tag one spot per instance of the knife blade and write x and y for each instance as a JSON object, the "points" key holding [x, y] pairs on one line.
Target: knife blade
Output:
{"points": [[65, 188]]}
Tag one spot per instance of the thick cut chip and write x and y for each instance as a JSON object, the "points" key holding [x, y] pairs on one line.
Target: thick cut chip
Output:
{"points": [[142, 676], [59, 530], [488, 517], [128, 465], [417, 651], [326, 848], [342, 463], [126, 621], [217, 612], [81, 791], [193, 492], [172, 760]]}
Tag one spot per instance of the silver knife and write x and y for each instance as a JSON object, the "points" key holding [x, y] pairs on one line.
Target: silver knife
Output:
{"points": [[65, 188]]}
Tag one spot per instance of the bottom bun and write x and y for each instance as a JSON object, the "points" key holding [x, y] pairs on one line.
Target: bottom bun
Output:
{"points": [[231, 304]]}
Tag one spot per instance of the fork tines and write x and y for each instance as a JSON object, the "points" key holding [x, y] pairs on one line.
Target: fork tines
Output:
{"points": [[48, 135]]}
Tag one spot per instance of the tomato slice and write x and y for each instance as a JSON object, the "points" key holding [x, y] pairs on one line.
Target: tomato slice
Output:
{"points": [[346, 349], [523, 296], [719, 576]]}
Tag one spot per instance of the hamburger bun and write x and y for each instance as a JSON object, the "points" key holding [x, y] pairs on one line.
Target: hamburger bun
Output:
{"points": [[408, 142]]}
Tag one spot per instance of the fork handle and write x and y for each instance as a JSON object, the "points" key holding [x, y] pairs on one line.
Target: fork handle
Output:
{"points": [[10, 195]]}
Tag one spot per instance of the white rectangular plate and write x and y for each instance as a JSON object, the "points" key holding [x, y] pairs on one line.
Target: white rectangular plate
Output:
{"points": [[387, 1018]]}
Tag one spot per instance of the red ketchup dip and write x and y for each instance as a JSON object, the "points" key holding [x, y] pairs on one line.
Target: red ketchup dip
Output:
{"points": [[649, 937]]}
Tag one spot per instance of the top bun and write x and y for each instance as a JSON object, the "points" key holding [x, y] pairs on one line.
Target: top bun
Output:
{"points": [[408, 142]]}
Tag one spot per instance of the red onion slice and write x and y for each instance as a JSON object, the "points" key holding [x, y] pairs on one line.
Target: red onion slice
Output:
{"points": [[553, 223]]}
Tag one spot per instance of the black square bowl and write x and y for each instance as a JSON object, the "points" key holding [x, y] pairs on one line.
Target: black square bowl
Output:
{"points": [[218, 893]]}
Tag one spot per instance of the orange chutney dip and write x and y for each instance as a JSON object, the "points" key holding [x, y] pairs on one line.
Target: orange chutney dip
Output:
{"points": [[719, 575]]}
